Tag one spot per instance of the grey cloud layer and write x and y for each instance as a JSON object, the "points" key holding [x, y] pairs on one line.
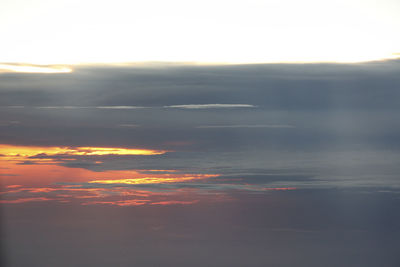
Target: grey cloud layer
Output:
{"points": [[308, 86], [330, 130], [215, 117]]}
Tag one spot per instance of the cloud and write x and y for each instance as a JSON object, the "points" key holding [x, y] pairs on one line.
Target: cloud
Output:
{"points": [[43, 152], [13, 186], [25, 68], [90, 107], [9, 123], [159, 171], [208, 106], [119, 195], [23, 200], [333, 108], [174, 202], [204, 187], [285, 86], [346, 138], [246, 126], [122, 203], [190, 106], [168, 178], [13, 106], [60, 107], [128, 125], [119, 107]]}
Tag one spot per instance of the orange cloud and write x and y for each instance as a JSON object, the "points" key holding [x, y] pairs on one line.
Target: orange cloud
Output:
{"points": [[17, 152], [130, 202], [156, 180], [48, 181], [23, 200], [14, 186]]}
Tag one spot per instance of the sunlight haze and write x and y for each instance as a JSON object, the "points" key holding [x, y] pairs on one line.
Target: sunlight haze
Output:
{"points": [[78, 32]]}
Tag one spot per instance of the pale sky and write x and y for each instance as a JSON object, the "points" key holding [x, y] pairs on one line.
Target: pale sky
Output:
{"points": [[208, 31]]}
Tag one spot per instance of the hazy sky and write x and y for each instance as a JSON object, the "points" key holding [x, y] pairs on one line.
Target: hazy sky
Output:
{"points": [[93, 31]]}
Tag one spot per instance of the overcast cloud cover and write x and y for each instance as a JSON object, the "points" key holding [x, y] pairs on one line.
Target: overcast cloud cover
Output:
{"points": [[328, 132]]}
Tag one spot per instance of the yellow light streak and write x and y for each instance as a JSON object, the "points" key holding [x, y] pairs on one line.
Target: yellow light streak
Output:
{"points": [[154, 180], [114, 151], [10, 151], [33, 68]]}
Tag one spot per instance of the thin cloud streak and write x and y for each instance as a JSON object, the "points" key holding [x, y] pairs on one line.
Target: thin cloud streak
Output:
{"points": [[204, 187], [128, 125], [246, 126], [23, 200], [13, 107], [188, 106], [130, 195], [207, 106], [60, 107], [119, 107], [89, 107]]}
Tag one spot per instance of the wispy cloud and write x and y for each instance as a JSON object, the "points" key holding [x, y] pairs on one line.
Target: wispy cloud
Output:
{"points": [[23, 200], [207, 106], [174, 202], [203, 187], [13, 106], [60, 107], [122, 203], [119, 107], [129, 125], [24, 68], [154, 180], [247, 126], [186, 106], [25, 152], [9, 123], [130, 195], [90, 107]]}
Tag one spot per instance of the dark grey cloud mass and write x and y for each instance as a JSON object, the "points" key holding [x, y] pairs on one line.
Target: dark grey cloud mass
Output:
{"points": [[329, 130], [298, 86], [297, 228]]}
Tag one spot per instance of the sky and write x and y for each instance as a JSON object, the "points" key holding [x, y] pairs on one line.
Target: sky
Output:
{"points": [[221, 31], [179, 133]]}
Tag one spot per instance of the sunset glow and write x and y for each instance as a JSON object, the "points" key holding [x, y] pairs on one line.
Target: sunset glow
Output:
{"points": [[151, 180], [33, 68], [46, 180], [11, 151], [27, 174]]}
